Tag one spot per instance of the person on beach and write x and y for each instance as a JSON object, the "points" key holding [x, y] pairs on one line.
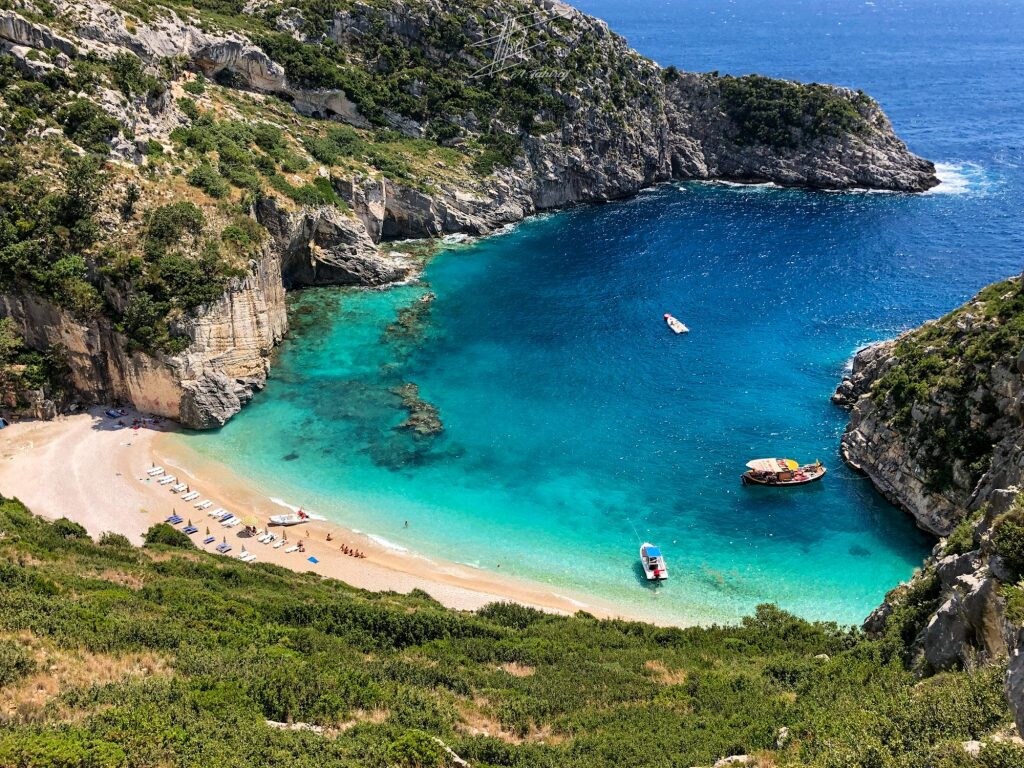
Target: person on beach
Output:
{"points": [[329, 536]]}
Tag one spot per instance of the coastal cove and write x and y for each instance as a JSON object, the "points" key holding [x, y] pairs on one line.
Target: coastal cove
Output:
{"points": [[572, 415]]}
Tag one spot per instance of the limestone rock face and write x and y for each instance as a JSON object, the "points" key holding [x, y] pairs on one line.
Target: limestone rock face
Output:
{"points": [[1015, 679], [231, 341], [323, 246]]}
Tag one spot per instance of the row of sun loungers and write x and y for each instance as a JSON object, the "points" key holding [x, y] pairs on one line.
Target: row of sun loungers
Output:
{"points": [[221, 515]]}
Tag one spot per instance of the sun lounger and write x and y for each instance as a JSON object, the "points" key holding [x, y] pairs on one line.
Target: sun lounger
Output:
{"points": [[178, 488], [204, 505], [268, 538], [233, 522], [167, 480], [249, 558], [292, 548], [228, 521], [218, 512], [225, 517], [242, 555], [278, 544], [190, 529], [190, 496], [209, 540], [263, 538], [174, 519], [224, 548], [312, 559], [155, 471]]}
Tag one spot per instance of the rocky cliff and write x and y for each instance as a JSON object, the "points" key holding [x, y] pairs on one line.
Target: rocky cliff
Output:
{"points": [[338, 126], [937, 424]]}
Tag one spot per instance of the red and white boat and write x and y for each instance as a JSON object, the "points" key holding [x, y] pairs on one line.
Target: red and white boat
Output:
{"points": [[675, 324], [653, 562], [293, 519]]}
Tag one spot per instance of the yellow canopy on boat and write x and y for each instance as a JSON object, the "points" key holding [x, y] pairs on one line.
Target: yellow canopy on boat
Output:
{"points": [[773, 465]]}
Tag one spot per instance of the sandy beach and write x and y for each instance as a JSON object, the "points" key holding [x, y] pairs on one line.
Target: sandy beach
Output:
{"points": [[88, 468]]}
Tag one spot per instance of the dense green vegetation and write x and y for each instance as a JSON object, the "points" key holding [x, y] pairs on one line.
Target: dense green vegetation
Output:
{"points": [[781, 113], [229, 646], [941, 368], [23, 369]]}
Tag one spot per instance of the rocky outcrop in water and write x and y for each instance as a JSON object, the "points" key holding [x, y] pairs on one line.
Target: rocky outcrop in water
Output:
{"points": [[937, 424]]}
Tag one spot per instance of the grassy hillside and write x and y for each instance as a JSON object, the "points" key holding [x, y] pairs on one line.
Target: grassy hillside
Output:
{"points": [[116, 656]]}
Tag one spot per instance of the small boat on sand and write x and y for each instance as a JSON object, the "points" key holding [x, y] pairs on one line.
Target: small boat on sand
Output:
{"points": [[653, 562], [293, 519], [782, 472], [675, 325]]}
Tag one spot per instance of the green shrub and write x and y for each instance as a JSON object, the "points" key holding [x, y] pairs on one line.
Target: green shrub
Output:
{"points": [[88, 126], [167, 535], [130, 76], [189, 108], [781, 113], [69, 529], [1008, 543], [415, 749], [116, 540], [196, 86], [15, 662], [500, 149], [205, 177], [166, 225]]}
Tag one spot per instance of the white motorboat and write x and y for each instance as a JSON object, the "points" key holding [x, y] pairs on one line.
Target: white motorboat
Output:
{"points": [[293, 519], [675, 324], [653, 562]]}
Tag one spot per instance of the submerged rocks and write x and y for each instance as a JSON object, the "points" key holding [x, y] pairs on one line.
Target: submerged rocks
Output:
{"points": [[424, 418]]}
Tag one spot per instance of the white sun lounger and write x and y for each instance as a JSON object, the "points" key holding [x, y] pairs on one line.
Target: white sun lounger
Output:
{"points": [[292, 548], [178, 488], [155, 471], [232, 522], [216, 512], [249, 558], [190, 495], [242, 555], [263, 538], [268, 538], [167, 480], [278, 544], [204, 504]]}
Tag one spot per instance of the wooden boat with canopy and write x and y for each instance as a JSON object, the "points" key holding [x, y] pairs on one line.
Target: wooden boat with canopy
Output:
{"points": [[782, 472]]}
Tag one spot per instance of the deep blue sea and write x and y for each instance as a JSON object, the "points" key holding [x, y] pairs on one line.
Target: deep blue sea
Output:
{"points": [[575, 422]]}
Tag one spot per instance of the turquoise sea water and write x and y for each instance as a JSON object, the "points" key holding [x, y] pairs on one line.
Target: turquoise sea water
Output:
{"points": [[574, 420]]}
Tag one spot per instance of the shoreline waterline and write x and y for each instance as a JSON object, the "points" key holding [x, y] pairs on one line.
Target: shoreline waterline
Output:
{"points": [[85, 469]]}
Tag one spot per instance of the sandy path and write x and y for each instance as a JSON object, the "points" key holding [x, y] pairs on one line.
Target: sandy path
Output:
{"points": [[87, 469]]}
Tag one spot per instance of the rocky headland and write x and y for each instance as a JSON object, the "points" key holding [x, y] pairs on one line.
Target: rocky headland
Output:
{"points": [[284, 144], [937, 424]]}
